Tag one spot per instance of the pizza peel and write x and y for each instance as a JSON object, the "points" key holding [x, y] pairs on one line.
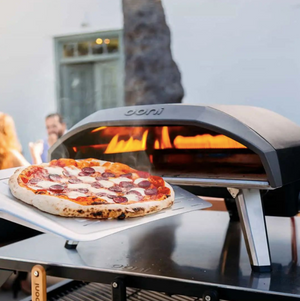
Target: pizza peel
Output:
{"points": [[81, 229]]}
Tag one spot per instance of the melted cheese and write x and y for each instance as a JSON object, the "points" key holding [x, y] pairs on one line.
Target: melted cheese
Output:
{"points": [[44, 184], [101, 190], [75, 194], [99, 169], [64, 180], [54, 170], [79, 185], [87, 179], [119, 180], [140, 190], [107, 199], [106, 184], [132, 197], [73, 171]]}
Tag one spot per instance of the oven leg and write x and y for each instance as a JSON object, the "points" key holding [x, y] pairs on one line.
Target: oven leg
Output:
{"points": [[232, 209], [253, 225], [4, 275], [71, 244], [118, 290]]}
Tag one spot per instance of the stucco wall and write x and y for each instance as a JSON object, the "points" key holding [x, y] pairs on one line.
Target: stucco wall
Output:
{"points": [[239, 52]]}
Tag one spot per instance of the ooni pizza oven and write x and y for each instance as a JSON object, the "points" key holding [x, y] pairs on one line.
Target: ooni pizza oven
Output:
{"points": [[240, 148]]}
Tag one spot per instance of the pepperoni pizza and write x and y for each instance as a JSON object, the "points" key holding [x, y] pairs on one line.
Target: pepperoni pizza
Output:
{"points": [[91, 188]]}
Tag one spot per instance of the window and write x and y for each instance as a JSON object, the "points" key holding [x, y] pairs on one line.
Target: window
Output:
{"points": [[92, 47], [89, 73]]}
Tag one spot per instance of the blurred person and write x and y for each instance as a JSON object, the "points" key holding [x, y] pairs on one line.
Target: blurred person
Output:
{"points": [[10, 148], [56, 127], [11, 156], [52, 138]]}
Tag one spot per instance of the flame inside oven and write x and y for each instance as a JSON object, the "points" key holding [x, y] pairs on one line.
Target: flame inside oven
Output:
{"points": [[206, 141], [177, 149], [133, 139], [131, 145]]}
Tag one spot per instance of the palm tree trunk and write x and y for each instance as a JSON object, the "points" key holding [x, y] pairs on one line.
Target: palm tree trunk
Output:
{"points": [[151, 75]]}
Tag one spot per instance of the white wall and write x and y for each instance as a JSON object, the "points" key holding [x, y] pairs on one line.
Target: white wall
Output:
{"points": [[229, 52], [27, 69], [239, 52]]}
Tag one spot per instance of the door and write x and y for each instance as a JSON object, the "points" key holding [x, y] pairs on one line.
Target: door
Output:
{"points": [[77, 92], [108, 84]]}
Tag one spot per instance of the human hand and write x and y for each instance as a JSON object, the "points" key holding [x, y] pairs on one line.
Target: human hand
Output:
{"points": [[36, 148]]}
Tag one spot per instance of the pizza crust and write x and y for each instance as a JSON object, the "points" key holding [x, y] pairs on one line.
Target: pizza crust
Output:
{"points": [[64, 207]]}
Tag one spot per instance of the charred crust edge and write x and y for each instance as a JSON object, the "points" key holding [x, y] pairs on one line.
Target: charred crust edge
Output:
{"points": [[122, 216]]}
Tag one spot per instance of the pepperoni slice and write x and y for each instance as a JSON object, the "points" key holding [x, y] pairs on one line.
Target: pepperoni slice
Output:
{"points": [[125, 184], [135, 192], [127, 175], [120, 199], [143, 174], [55, 178], [144, 184], [74, 181], [83, 190], [34, 180], [88, 170], [151, 191], [83, 174], [115, 189], [101, 194], [57, 188], [96, 185], [108, 175], [66, 174]]}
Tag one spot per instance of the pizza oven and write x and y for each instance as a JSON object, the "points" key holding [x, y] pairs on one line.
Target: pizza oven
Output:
{"points": [[238, 152]]}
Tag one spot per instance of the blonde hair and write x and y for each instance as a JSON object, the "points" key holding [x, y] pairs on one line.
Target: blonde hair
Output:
{"points": [[8, 139]]}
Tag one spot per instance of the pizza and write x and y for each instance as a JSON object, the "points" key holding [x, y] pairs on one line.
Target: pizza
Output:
{"points": [[91, 188]]}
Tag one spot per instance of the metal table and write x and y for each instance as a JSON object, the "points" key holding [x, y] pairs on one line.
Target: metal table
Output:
{"points": [[185, 254]]}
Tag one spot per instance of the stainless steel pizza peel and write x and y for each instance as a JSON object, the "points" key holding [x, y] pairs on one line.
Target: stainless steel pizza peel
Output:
{"points": [[81, 229]]}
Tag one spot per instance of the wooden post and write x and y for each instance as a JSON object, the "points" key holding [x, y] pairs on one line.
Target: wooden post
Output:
{"points": [[38, 284]]}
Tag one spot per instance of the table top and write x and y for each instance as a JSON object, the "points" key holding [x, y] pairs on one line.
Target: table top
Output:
{"points": [[199, 247]]}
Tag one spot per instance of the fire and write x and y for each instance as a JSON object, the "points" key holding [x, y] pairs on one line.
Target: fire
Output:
{"points": [[194, 142], [165, 141], [206, 141], [99, 129], [132, 139], [131, 145]]}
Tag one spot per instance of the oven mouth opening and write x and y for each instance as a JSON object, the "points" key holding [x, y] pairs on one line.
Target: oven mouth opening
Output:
{"points": [[182, 151]]}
